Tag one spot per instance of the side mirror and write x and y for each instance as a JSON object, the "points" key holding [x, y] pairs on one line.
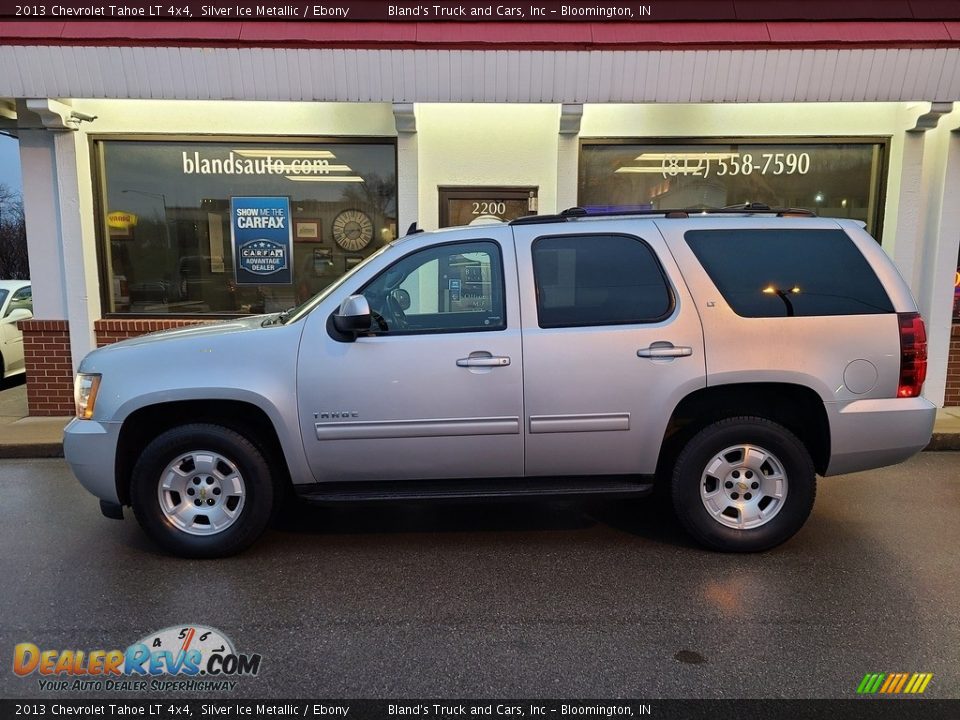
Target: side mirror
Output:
{"points": [[18, 314], [353, 316]]}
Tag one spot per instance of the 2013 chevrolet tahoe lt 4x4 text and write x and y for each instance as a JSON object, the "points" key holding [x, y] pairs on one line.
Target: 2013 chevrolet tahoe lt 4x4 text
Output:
{"points": [[731, 355]]}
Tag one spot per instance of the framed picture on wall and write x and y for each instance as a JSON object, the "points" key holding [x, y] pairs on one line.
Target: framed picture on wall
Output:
{"points": [[307, 231], [322, 260]]}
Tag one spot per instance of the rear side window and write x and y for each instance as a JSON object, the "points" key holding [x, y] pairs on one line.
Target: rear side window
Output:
{"points": [[598, 280], [782, 273]]}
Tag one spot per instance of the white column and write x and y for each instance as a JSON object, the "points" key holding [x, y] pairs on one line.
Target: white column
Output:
{"points": [[41, 203], [60, 239], [939, 248], [408, 181], [568, 169], [408, 164], [568, 158], [908, 238]]}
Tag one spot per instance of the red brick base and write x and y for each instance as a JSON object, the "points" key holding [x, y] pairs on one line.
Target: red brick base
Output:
{"points": [[952, 397], [46, 346], [115, 330], [46, 349]]}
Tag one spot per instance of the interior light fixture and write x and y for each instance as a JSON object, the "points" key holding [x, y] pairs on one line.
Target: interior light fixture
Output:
{"points": [[687, 156], [644, 169], [325, 178], [258, 153], [308, 169]]}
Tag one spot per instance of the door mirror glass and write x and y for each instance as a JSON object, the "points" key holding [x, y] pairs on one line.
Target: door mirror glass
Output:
{"points": [[353, 316]]}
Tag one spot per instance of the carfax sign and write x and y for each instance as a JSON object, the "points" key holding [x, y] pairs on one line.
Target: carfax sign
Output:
{"points": [[262, 238]]}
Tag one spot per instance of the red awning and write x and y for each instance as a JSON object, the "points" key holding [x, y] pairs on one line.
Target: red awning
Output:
{"points": [[489, 36]]}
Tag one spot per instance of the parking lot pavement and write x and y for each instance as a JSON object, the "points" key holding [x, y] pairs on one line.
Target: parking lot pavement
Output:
{"points": [[544, 599]]}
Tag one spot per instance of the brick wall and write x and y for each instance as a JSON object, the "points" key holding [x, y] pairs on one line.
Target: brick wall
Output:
{"points": [[46, 349], [115, 330], [952, 397], [46, 346]]}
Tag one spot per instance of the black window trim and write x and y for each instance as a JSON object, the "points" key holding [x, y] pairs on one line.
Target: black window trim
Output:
{"points": [[336, 335], [671, 294]]}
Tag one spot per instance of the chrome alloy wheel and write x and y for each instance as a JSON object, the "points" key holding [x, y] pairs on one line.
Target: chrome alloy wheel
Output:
{"points": [[201, 492], [743, 486]]}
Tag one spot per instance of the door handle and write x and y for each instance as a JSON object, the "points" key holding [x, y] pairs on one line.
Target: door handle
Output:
{"points": [[483, 362], [664, 350]]}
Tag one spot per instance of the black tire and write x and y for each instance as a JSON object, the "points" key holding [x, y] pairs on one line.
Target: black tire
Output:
{"points": [[259, 490], [712, 440]]}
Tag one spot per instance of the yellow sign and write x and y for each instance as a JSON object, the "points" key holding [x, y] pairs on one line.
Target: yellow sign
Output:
{"points": [[121, 220]]}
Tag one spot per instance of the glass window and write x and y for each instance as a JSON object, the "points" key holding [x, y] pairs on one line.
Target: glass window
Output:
{"points": [[598, 280], [780, 273], [833, 178], [447, 288], [231, 227]]}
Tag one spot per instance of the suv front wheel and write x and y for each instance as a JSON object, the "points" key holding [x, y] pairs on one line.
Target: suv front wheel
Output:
{"points": [[743, 484], [202, 491]]}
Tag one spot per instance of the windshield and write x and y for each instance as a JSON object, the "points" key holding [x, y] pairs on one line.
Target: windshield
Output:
{"points": [[304, 308], [3, 298]]}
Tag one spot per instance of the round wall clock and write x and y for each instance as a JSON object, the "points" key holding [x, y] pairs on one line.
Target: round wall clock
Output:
{"points": [[352, 230]]}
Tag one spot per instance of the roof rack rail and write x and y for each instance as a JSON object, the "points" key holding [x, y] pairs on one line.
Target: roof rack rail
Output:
{"points": [[576, 213]]}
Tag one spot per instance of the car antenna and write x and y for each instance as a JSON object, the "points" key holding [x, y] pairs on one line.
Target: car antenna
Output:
{"points": [[413, 229]]}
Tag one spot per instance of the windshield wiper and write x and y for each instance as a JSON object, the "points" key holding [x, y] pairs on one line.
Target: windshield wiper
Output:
{"points": [[285, 315]]}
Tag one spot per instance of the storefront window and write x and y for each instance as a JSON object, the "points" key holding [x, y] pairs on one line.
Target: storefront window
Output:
{"points": [[833, 178], [238, 227]]}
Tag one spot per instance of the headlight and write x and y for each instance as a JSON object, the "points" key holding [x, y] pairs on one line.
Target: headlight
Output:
{"points": [[85, 388]]}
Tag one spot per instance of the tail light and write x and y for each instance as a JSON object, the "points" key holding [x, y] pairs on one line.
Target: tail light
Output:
{"points": [[913, 354]]}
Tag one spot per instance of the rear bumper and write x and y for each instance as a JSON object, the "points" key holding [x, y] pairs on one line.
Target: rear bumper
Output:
{"points": [[90, 448], [867, 434]]}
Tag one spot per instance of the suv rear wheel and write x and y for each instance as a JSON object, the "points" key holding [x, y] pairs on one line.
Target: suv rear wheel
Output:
{"points": [[743, 484], [202, 491]]}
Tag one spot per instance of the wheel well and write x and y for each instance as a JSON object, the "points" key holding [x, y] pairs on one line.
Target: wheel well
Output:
{"points": [[797, 408], [143, 425]]}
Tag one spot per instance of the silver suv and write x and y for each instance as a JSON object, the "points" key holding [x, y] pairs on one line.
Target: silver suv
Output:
{"points": [[730, 355]]}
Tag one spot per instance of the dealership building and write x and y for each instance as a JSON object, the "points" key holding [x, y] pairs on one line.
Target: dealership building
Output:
{"points": [[137, 138]]}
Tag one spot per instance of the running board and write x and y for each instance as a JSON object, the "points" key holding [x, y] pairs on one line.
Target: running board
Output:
{"points": [[494, 488]]}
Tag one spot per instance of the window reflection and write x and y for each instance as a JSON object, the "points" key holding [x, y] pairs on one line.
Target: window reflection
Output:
{"points": [[166, 226], [834, 179]]}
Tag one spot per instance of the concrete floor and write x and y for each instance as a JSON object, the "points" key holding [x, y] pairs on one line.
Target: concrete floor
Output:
{"points": [[518, 600], [13, 397]]}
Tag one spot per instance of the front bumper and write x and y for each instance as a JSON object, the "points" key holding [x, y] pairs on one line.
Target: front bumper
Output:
{"points": [[90, 448], [867, 434]]}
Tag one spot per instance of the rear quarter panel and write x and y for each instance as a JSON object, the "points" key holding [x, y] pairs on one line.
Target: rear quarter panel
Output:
{"points": [[809, 351]]}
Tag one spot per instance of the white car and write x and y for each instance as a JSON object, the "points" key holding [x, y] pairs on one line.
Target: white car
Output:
{"points": [[16, 304]]}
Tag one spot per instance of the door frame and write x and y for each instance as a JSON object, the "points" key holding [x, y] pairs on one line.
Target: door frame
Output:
{"points": [[468, 192]]}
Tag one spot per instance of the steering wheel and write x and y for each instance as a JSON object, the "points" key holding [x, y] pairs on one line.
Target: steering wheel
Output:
{"points": [[395, 311]]}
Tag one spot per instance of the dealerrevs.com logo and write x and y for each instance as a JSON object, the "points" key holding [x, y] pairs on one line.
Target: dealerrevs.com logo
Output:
{"points": [[199, 658]]}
